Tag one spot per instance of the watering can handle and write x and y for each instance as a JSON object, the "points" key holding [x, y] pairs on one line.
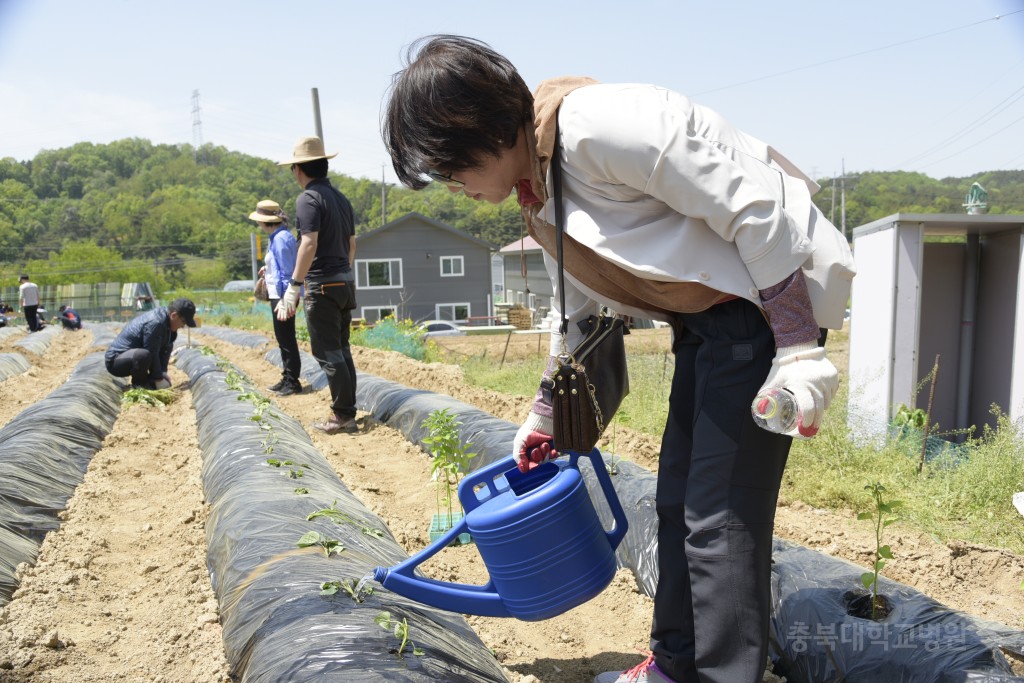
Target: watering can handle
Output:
{"points": [[618, 532], [488, 475]]}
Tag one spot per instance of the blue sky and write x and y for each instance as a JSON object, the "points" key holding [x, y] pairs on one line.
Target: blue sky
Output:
{"points": [[935, 86]]}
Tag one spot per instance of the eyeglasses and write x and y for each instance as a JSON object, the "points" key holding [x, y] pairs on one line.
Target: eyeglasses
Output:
{"points": [[439, 177]]}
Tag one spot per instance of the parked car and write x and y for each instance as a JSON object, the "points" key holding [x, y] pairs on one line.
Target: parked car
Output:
{"points": [[440, 328]]}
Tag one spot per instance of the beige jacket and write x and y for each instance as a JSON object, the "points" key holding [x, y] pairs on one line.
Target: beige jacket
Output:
{"points": [[664, 190]]}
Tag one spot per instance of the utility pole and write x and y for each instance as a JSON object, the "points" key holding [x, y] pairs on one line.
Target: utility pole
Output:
{"points": [[832, 214], [197, 127], [383, 197], [316, 117], [843, 184]]}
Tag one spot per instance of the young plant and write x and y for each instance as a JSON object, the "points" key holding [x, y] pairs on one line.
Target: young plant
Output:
{"points": [[338, 517], [148, 397], [880, 517], [401, 631], [350, 587], [312, 538], [451, 459]]}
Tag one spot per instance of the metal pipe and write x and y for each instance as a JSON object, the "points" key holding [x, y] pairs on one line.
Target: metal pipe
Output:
{"points": [[968, 310]]}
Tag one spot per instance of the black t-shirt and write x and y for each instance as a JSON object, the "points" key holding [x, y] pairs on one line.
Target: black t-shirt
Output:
{"points": [[324, 210]]}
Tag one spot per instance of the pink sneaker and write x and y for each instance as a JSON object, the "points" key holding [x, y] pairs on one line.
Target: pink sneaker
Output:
{"points": [[644, 672]]}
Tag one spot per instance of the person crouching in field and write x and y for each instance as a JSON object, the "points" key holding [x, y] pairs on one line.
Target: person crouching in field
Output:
{"points": [[69, 318], [143, 348]]}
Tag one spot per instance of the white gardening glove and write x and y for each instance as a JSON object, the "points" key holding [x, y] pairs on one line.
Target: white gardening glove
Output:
{"points": [[286, 306], [806, 373], [532, 445]]}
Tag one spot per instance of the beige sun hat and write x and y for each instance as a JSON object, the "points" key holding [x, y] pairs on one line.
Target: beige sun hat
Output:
{"points": [[307, 149], [266, 212]]}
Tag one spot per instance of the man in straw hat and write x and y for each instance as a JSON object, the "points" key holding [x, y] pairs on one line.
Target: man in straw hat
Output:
{"points": [[327, 251], [278, 266]]}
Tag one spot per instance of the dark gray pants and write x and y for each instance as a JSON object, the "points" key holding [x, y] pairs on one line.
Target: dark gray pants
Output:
{"points": [[137, 363], [718, 483], [284, 333], [328, 307]]}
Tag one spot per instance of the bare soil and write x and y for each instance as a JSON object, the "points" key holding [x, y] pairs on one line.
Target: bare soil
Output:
{"points": [[121, 592]]}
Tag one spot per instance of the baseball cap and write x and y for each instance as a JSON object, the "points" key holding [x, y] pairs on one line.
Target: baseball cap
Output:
{"points": [[186, 309]]}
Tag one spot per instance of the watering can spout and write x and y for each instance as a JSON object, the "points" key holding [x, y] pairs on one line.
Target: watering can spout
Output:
{"points": [[538, 535]]}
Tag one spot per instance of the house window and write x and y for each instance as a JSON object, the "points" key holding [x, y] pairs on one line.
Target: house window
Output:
{"points": [[374, 314], [382, 274], [453, 312], [452, 266]]}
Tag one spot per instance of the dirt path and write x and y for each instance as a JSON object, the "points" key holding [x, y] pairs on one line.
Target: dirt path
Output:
{"points": [[121, 591]]}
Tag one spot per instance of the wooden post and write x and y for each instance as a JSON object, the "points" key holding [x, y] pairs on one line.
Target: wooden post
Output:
{"points": [[507, 340]]}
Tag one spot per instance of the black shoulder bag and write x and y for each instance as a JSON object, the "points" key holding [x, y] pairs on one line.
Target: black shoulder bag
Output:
{"points": [[589, 382]]}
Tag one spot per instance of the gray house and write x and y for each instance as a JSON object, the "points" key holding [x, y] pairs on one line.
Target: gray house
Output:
{"points": [[421, 269], [535, 290]]}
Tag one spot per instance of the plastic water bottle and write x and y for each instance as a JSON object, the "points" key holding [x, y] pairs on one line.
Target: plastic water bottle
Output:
{"points": [[775, 410]]}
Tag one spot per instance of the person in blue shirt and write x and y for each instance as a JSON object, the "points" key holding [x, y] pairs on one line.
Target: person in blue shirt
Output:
{"points": [[69, 318], [278, 265], [143, 348]]}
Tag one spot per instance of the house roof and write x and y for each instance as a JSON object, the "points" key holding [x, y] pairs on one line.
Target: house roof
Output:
{"points": [[414, 216], [525, 244]]}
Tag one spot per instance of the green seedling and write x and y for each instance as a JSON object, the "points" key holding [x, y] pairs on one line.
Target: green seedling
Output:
{"points": [[401, 631], [451, 457], [295, 474], [338, 517], [232, 377], [301, 491], [880, 517], [312, 538], [148, 397], [350, 587], [612, 466], [274, 462]]}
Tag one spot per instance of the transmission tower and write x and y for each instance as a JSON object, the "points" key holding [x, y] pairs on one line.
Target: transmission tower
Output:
{"points": [[197, 127]]}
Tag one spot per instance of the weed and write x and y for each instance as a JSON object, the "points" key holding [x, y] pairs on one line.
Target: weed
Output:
{"points": [[312, 538], [401, 631], [148, 397], [879, 515]]}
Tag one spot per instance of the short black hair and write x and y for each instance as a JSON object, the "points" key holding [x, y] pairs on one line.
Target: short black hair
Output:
{"points": [[456, 103], [317, 168]]}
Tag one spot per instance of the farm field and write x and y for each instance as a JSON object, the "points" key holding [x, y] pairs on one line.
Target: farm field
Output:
{"points": [[121, 592]]}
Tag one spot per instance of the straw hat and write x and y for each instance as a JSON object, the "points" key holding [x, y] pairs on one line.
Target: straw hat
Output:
{"points": [[266, 212], [307, 149]]}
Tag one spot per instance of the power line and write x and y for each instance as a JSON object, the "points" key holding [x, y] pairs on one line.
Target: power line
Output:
{"points": [[984, 118], [965, 149], [855, 54]]}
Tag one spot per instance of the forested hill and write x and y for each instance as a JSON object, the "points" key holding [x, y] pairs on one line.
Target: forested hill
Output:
{"points": [[185, 209]]}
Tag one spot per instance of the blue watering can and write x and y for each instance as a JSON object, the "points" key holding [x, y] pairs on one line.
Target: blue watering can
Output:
{"points": [[537, 533]]}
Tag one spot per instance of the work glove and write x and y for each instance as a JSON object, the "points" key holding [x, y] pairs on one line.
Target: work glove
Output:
{"points": [[532, 445], [806, 373], [286, 306], [164, 382]]}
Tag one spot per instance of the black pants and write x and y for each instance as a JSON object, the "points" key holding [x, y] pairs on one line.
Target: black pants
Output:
{"points": [[328, 307], [718, 483], [137, 363], [31, 318], [284, 333]]}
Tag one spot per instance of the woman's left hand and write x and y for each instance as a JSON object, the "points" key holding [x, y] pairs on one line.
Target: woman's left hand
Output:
{"points": [[807, 373]]}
